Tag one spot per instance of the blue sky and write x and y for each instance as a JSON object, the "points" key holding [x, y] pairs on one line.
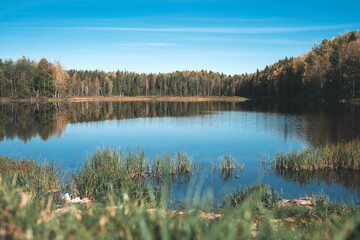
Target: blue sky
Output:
{"points": [[163, 36]]}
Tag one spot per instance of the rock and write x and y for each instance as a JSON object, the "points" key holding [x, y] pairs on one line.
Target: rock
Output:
{"points": [[304, 202], [67, 197], [210, 216], [76, 200], [290, 220], [204, 215]]}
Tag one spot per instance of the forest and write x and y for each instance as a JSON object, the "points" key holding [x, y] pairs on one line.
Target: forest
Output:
{"points": [[330, 71]]}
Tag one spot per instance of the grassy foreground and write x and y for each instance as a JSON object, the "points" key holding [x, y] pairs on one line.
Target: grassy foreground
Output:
{"points": [[125, 201]]}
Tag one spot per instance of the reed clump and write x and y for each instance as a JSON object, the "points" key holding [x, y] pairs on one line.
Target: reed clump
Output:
{"points": [[170, 165], [115, 171], [227, 163], [184, 163], [227, 166], [100, 174], [330, 156], [162, 165]]}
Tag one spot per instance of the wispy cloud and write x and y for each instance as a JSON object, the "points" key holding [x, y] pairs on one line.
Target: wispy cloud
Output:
{"points": [[231, 20], [228, 30], [278, 41], [140, 44], [244, 40]]}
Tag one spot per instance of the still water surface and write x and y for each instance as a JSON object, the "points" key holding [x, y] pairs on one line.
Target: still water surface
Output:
{"points": [[250, 131]]}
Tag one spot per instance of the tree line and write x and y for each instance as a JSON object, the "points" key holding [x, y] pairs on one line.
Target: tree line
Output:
{"points": [[330, 70], [26, 78]]}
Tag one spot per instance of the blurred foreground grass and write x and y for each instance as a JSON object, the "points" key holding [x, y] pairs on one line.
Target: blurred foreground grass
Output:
{"points": [[125, 203]]}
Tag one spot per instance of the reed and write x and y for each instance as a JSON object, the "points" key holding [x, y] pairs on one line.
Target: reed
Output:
{"points": [[113, 171], [184, 164], [330, 156], [227, 163], [170, 165], [162, 165]]}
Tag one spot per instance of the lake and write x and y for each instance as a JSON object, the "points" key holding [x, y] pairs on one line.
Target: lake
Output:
{"points": [[250, 131]]}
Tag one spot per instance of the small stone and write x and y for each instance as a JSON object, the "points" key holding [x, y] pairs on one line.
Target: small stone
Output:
{"points": [[304, 202], [67, 197], [76, 200]]}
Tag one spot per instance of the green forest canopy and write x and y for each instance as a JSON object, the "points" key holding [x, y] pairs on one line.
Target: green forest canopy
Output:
{"points": [[330, 70]]}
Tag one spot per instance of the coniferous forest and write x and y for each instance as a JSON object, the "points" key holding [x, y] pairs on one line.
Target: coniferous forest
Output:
{"points": [[330, 71]]}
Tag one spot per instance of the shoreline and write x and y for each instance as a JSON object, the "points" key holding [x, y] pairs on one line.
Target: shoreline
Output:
{"points": [[130, 99], [355, 101]]}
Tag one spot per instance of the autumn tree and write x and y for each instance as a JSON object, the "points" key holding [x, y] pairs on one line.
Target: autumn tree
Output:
{"points": [[352, 68], [61, 78]]}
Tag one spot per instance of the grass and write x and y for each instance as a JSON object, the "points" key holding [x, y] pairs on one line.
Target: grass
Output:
{"points": [[330, 156], [111, 172], [169, 165], [29, 175], [267, 195], [116, 172], [127, 205], [256, 214]]}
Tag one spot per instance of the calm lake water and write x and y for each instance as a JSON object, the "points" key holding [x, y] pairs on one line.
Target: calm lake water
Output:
{"points": [[251, 131]]}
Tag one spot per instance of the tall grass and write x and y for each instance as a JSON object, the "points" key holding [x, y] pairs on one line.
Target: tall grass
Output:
{"points": [[108, 171], [331, 156], [28, 174], [265, 194]]}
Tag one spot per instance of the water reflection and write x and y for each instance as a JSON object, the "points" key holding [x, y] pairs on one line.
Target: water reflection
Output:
{"points": [[348, 179], [26, 121], [315, 124]]}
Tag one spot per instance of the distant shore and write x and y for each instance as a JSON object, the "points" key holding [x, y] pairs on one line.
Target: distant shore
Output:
{"points": [[132, 99]]}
